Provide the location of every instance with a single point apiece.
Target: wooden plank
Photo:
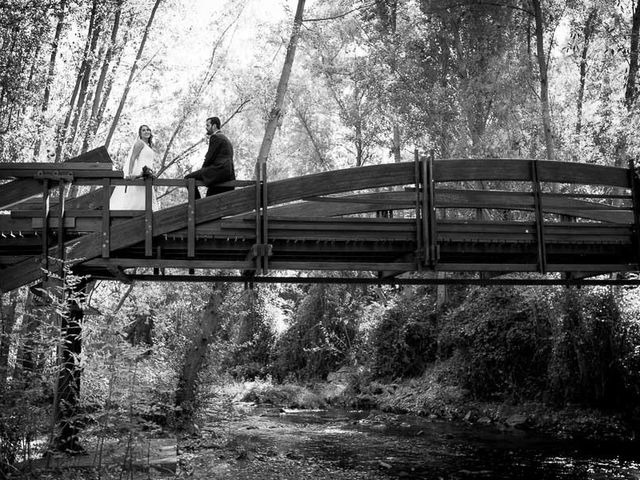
(167, 263)
(329, 265)
(97, 155)
(582, 173)
(338, 181)
(54, 222)
(450, 198)
(77, 213)
(18, 191)
(486, 267)
(184, 183)
(451, 170)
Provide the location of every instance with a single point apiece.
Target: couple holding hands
(216, 168)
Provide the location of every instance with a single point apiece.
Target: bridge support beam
(634, 172)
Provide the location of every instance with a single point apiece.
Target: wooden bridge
(457, 215)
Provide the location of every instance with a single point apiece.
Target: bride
(127, 197)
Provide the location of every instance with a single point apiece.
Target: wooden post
(635, 195)
(45, 225)
(418, 186)
(425, 213)
(542, 250)
(106, 218)
(148, 217)
(433, 227)
(257, 261)
(191, 218)
(265, 222)
(61, 202)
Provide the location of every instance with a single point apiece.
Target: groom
(218, 162)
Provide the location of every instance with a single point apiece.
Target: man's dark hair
(214, 121)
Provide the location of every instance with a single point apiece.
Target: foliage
(502, 336)
(594, 356)
(321, 338)
(286, 395)
(405, 340)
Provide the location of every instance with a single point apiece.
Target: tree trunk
(7, 321)
(50, 74)
(544, 81)
(29, 354)
(68, 387)
(62, 131)
(276, 111)
(93, 123)
(630, 93)
(388, 12)
(112, 74)
(86, 76)
(587, 32)
(195, 358)
(134, 68)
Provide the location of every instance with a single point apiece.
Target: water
(404, 446)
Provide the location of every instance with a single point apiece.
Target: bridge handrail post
(634, 173)
(265, 221)
(45, 226)
(61, 202)
(148, 216)
(537, 193)
(258, 217)
(106, 218)
(426, 237)
(419, 255)
(191, 217)
(433, 226)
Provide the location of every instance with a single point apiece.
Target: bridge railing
(457, 215)
(548, 203)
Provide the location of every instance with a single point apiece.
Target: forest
(309, 87)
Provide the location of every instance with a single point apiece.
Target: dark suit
(217, 166)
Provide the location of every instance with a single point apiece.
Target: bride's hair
(140, 134)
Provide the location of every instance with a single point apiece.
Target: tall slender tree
(544, 80)
(134, 69)
(276, 111)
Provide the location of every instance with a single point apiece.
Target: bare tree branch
(340, 15)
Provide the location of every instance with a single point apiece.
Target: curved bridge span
(453, 215)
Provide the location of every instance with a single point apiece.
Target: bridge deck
(471, 215)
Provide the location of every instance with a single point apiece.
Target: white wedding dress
(132, 197)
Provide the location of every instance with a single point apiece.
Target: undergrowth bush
(502, 337)
(404, 342)
(321, 337)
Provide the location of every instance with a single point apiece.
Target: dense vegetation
(371, 82)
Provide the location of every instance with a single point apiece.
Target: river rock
(516, 420)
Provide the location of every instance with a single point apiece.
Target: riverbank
(260, 442)
(427, 397)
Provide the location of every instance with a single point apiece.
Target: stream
(406, 446)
